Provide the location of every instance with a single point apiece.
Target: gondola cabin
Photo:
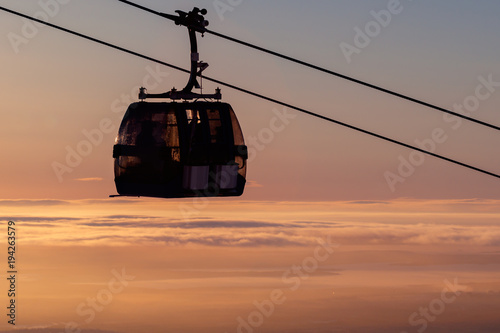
(173, 150)
(181, 149)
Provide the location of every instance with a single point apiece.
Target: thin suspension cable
(254, 94)
(93, 39)
(327, 71)
(141, 7)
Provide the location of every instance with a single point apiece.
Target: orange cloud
(253, 183)
(90, 179)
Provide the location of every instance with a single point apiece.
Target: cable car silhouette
(181, 149)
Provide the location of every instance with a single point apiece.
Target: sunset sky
(203, 264)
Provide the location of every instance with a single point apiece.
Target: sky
(337, 231)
